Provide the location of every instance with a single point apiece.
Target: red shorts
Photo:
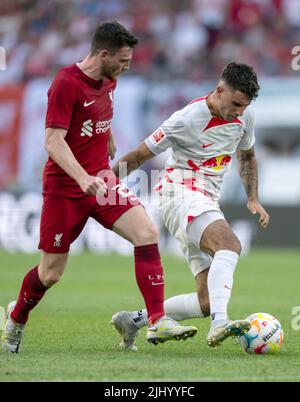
(63, 219)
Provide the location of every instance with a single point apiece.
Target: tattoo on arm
(248, 171)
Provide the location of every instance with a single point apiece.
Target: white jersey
(201, 146)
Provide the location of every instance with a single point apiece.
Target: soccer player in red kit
(78, 135)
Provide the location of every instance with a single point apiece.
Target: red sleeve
(62, 96)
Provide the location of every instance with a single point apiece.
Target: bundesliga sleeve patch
(158, 136)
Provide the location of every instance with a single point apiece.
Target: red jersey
(83, 107)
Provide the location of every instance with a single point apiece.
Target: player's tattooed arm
(132, 161)
(247, 167)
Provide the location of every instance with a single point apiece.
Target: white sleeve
(248, 139)
(166, 136)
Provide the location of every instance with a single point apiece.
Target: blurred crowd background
(183, 46)
(178, 38)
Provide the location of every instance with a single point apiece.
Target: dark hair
(112, 36)
(241, 77)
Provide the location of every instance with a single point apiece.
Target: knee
(50, 279)
(236, 246)
(232, 244)
(49, 275)
(146, 235)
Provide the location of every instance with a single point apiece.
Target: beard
(110, 72)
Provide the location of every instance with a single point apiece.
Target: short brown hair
(241, 77)
(112, 36)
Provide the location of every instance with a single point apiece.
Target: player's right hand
(93, 185)
(256, 208)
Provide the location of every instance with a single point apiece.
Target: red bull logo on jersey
(216, 163)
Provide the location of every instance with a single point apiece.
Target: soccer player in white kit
(203, 136)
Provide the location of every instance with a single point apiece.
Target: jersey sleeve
(62, 96)
(166, 136)
(248, 139)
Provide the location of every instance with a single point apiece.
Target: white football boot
(166, 329)
(217, 335)
(13, 332)
(122, 322)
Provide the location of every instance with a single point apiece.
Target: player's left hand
(256, 208)
(112, 149)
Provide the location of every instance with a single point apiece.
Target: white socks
(219, 283)
(186, 306)
(179, 308)
(183, 307)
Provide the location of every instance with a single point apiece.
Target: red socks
(31, 293)
(150, 279)
(149, 276)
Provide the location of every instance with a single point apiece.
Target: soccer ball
(265, 335)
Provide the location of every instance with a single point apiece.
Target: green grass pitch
(68, 337)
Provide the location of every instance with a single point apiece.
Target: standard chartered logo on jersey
(102, 126)
(88, 126)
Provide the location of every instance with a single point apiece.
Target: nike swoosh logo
(206, 145)
(88, 103)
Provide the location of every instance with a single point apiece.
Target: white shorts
(186, 215)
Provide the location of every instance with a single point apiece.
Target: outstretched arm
(247, 167)
(132, 160)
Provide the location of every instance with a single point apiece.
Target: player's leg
(51, 268)
(61, 222)
(35, 284)
(180, 307)
(136, 226)
(219, 241)
(184, 306)
(202, 292)
(193, 305)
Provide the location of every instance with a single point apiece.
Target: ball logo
(271, 333)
